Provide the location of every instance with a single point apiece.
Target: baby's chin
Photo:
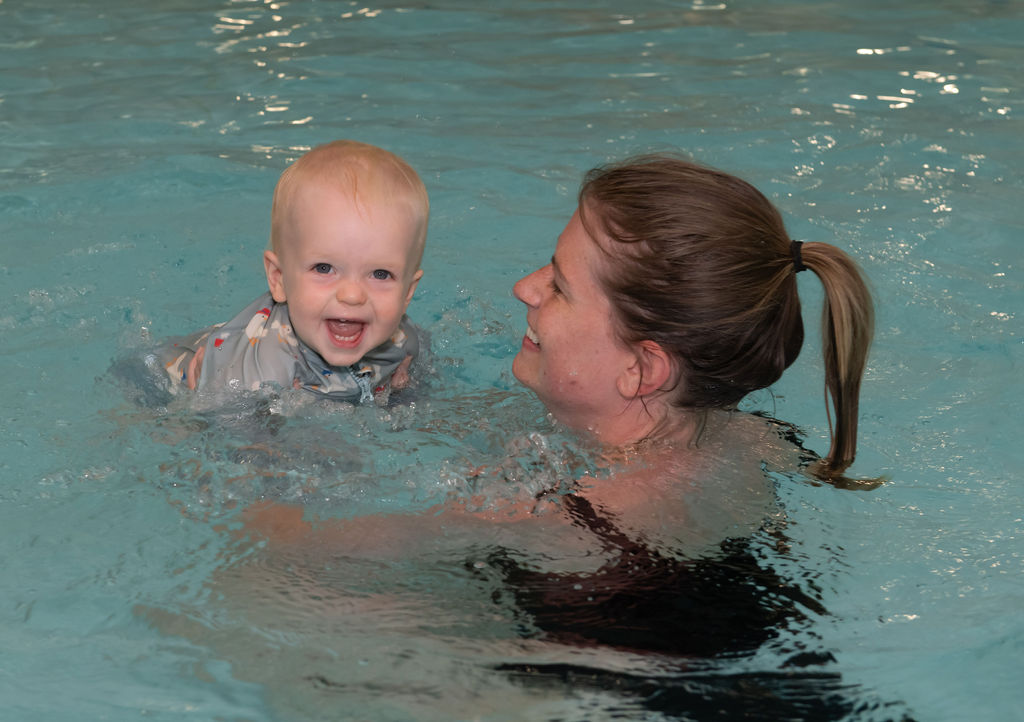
(336, 356)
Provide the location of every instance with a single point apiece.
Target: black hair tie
(798, 261)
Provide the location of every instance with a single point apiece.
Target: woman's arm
(457, 523)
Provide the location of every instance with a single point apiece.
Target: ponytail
(847, 325)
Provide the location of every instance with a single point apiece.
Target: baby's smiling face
(347, 268)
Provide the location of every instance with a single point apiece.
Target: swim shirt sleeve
(177, 355)
(254, 348)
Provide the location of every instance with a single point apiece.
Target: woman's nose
(529, 288)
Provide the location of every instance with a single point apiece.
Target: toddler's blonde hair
(366, 173)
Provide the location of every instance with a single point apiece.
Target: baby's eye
(322, 268)
(381, 275)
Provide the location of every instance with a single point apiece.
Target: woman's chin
(518, 370)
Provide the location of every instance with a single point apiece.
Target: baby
(348, 226)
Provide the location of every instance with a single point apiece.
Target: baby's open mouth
(345, 331)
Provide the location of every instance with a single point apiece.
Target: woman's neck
(643, 422)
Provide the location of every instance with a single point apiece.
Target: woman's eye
(552, 279)
(381, 275)
(322, 268)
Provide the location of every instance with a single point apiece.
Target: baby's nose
(350, 292)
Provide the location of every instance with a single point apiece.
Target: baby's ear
(652, 370)
(274, 276)
(412, 287)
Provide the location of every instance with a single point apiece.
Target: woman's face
(570, 356)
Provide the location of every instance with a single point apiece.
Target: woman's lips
(345, 333)
(532, 337)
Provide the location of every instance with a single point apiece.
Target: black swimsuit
(646, 601)
(722, 606)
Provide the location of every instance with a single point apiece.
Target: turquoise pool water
(141, 142)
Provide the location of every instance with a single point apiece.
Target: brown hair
(701, 263)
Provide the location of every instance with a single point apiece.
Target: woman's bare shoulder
(688, 499)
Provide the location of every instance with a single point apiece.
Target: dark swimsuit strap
(582, 512)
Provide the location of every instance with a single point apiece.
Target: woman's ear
(652, 370)
(272, 266)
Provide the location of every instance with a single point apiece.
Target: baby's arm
(195, 367)
(183, 358)
(400, 378)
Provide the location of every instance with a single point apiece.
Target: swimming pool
(141, 144)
